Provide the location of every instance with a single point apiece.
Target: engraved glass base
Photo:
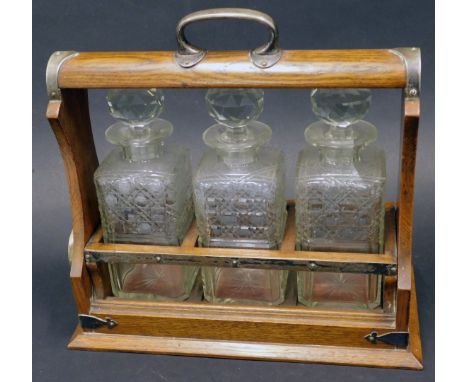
(152, 281)
(244, 286)
(339, 290)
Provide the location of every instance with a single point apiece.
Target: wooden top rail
(371, 68)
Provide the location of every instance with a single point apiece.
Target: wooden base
(387, 357)
(247, 350)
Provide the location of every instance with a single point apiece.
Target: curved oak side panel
(409, 137)
(69, 119)
(376, 68)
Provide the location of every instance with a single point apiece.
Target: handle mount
(264, 56)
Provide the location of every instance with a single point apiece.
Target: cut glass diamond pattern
(234, 107)
(341, 107)
(135, 106)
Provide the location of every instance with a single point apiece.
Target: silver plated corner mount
(56, 60)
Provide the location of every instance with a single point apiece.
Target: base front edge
(388, 358)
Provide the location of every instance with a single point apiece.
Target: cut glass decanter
(145, 194)
(340, 197)
(240, 197)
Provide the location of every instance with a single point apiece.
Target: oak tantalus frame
(194, 327)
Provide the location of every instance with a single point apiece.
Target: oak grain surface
(70, 122)
(377, 68)
(411, 112)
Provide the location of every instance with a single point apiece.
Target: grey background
(149, 25)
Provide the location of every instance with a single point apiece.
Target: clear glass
(145, 195)
(240, 197)
(340, 197)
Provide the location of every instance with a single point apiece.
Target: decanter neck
(340, 156)
(338, 145)
(233, 157)
(142, 152)
(140, 143)
(237, 146)
(238, 158)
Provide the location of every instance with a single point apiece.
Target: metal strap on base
(93, 256)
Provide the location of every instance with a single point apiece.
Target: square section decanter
(240, 197)
(145, 195)
(340, 197)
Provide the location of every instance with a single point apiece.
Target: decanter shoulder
(370, 163)
(271, 155)
(172, 160)
(269, 162)
(308, 158)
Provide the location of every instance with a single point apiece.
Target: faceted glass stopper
(236, 111)
(137, 111)
(234, 107)
(135, 106)
(340, 107)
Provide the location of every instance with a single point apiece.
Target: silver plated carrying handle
(264, 56)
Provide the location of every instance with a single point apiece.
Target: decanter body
(239, 197)
(340, 197)
(144, 193)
